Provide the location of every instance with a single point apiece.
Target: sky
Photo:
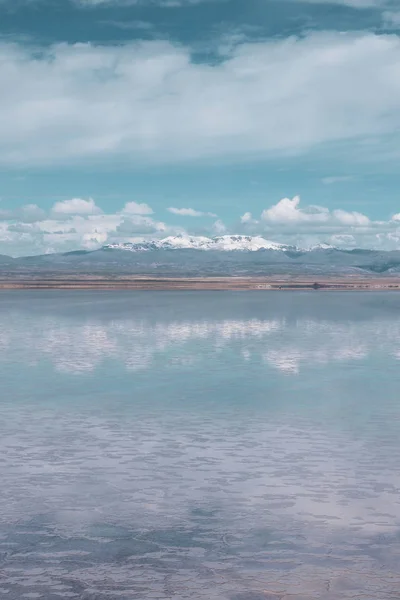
(123, 120)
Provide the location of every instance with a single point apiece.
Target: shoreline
(201, 283)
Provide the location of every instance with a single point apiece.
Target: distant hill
(200, 256)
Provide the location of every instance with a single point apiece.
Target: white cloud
(246, 218)
(138, 225)
(351, 218)
(133, 208)
(150, 102)
(336, 179)
(219, 228)
(190, 212)
(76, 206)
(396, 217)
(343, 240)
(288, 211)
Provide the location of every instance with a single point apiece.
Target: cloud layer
(149, 102)
(81, 223)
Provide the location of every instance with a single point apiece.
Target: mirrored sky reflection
(203, 445)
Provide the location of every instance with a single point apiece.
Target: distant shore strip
(201, 283)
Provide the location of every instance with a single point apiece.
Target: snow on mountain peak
(322, 247)
(244, 242)
(185, 242)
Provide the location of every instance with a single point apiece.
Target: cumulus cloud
(133, 208)
(288, 211)
(351, 218)
(76, 206)
(219, 228)
(74, 224)
(151, 102)
(247, 218)
(343, 240)
(190, 212)
(289, 222)
(138, 225)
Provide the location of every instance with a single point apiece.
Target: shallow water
(203, 445)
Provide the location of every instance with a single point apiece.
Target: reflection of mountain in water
(286, 333)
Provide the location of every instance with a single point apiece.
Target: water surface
(205, 445)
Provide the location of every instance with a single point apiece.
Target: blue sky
(129, 119)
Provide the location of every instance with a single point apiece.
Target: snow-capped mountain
(227, 243)
(194, 256)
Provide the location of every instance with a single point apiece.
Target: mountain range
(190, 256)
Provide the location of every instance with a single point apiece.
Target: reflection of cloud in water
(286, 346)
(136, 343)
(222, 484)
(290, 359)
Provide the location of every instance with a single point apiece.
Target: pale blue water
(239, 446)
